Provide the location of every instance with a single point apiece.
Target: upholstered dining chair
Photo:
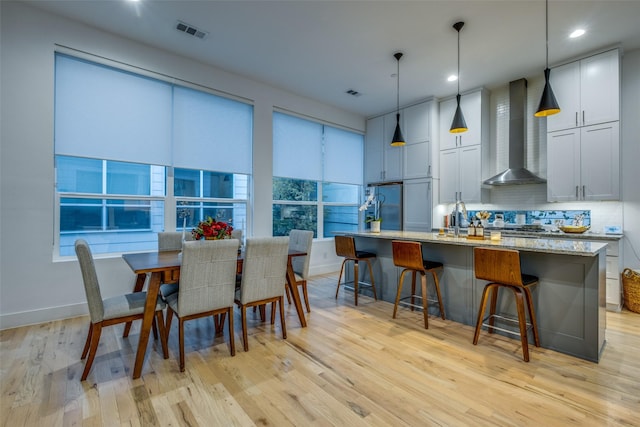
(264, 272)
(109, 311)
(207, 286)
(301, 240)
(171, 241)
(237, 234)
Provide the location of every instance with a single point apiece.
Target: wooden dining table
(164, 267)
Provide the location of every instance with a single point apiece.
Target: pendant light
(398, 139)
(548, 104)
(458, 125)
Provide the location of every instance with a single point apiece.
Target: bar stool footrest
(408, 304)
(529, 326)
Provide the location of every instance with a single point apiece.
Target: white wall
(34, 288)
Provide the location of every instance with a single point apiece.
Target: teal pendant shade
(398, 138)
(458, 125)
(548, 103)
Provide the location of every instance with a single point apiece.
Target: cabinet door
(417, 205)
(392, 156)
(471, 105)
(600, 161)
(448, 140)
(417, 162)
(416, 123)
(373, 163)
(600, 88)
(565, 82)
(563, 165)
(449, 175)
(470, 174)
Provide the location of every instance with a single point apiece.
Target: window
(135, 154)
(324, 181)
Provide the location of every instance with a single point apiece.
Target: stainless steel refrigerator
(390, 197)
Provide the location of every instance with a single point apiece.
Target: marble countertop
(562, 246)
(588, 235)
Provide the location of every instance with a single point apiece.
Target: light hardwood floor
(353, 366)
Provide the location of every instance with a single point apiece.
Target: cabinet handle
(583, 122)
(576, 119)
(577, 193)
(584, 194)
(429, 171)
(428, 186)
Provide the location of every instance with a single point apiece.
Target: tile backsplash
(542, 217)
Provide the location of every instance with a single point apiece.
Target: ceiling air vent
(191, 30)
(353, 92)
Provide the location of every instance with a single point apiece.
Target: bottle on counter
(472, 230)
(480, 230)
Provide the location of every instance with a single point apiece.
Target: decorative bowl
(574, 228)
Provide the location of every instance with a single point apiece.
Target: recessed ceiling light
(576, 33)
(452, 78)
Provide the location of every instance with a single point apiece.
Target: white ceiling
(320, 49)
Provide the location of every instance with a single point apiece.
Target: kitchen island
(569, 299)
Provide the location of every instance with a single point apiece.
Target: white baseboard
(24, 318)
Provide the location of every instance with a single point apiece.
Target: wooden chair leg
(425, 306)
(232, 341)
(399, 291)
(181, 342)
(305, 294)
(167, 325)
(282, 322)
(95, 339)
(483, 306)
(495, 288)
(413, 288)
(154, 327)
(522, 322)
(273, 313)
(373, 285)
(218, 321)
(437, 285)
(288, 292)
(87, 342)
(340, 277)
(163, 334)
(244, 328)
(532, 316)
(356, 280)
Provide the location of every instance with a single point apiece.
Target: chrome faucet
(460, 214)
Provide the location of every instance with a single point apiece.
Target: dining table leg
(293, 288)
(136, 288)
(147, 320)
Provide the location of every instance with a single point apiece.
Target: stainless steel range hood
(516, 173)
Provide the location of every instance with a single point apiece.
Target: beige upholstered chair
(237, 234)
(263, 277)
(110, 311)
(408, 256)
(171, 241)
(301, 240)
(207, 286)
(501, 267)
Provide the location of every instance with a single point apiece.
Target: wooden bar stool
(408, 255)
(501, 267)
(346, 247)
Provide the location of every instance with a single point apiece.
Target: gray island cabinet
(569, 299)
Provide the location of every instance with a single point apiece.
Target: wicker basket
(631, 289)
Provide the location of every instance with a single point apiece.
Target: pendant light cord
(459, 61)
(546, 10)
(398, 85)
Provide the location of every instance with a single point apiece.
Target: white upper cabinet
(417, 134)
(384, 163)
(471, 105)
(588, 92)
(584, 163)
(461, 155)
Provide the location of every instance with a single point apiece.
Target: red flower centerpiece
(210, 229)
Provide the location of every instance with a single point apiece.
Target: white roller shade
(343, 156)
(110, 114)
(211, 132)
(297, 148)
